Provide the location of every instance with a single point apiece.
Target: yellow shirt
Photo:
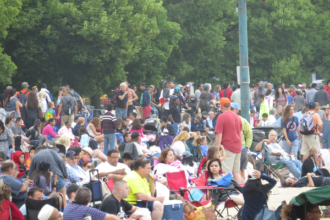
(136, 184)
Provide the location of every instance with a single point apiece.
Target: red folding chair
(177, 183)
(229, 203)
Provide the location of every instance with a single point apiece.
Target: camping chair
(177, 183)
(33, 207)
(269, 166)
(229, 203)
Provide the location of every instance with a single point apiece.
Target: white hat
(251, 175)
(45, 212)
(88, 150)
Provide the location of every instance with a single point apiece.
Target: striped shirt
(109, 123)
(77, 211)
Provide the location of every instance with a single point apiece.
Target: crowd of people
(50, 151)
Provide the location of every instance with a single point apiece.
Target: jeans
(294, 166)
(293, 149)
(109, 139)
(130, 109)
(30, 122)
(154, 110)
(121, 113)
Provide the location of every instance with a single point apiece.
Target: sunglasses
(73, 158)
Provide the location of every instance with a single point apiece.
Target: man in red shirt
(327, 87)
(229, 133)
(226, 92)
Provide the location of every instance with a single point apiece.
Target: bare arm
(152, 185)
(310, 180)
(18, 105)
(25, 186)
(144, 197)
(259, 146)
(197, 106)
(111, 217)
(218, 139)
(122, 96)
(92, 127)
(223, 154)
(171, 119)
(75, 110)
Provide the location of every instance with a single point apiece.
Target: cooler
(173, 210)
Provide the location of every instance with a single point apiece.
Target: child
(42, 176)
(264, 122)
(263, 106)
(32, 151)
(252, 117)
(119, 131)
(132, 116)
(169, 127)
(201, 141)
(18, 158)
(84, 139)
(213, 152)
(137, 127)
(214, 168)
(50, 113)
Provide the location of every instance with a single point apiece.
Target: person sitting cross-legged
(141, 189)
(115, 203)
(278, 155)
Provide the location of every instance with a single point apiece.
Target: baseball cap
(180, 86)
(25, 84)
(177, 89)
(186, 154)
(300, 86)
(135, 135)
(187, 86)
(311, 105)
(205, 113)
(292, 86)
(70, 153)
(225, 102)
(234, 105)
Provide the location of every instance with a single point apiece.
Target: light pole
(244, 59)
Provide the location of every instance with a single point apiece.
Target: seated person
(264, 122)
(31, 154)
(165, 125)
(67, 130)
(34, 132)
(178, 144)
(137, 127)
(278, 155)
(18, 158)
(89, 154)
(34, 193)
(112, 168)
(201, 142)
(8, 209)
(75, 173)
(134, 147)
(71, 192)
(18, 189)
(206, 121)
(42, 176)
(115, 203)
(127, 159)
(80, 123)
(79, 208)
(48, 212)
(127, 139)
(49, 132)
(141, 189)
(214, 152)
(17, 130)
(310, 180)
(312, 163)
(196, 126)
(233, 190)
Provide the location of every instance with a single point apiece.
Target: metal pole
(244, 59)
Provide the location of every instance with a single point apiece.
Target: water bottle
(87, 217)
(121, 214)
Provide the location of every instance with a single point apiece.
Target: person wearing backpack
(68, 106)
(24, 93)
(290, 125)
(310, 127)
(205, 99)
(226, 92)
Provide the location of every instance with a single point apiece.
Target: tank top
(90, 131)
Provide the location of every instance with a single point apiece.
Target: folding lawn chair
(33, 207)
(269, 166)
(177, 183)
(229, 203)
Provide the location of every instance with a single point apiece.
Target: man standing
(229, 133)
(145, 101)
(236, 97)
(311, 140)
(226, 92)
(311, 93)
(24, 93)
(175, 113)
(165, 94)
(199, 91)
(115, 203)
(259, 91)
(141, 189)
(131, 98)
(109, 126)
(68, 106)
(122, 101)
(322, 97)
(49, 96)
(186, 93)
(246, 139)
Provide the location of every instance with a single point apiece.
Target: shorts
(146, 111)
(232, 162)
(60, 184)
(149, 205)
(244, 159)
(309, 141)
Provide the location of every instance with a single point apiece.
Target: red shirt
(229, 92)
(327, 89)
(15, 212)
(293, 94)
(230, 126)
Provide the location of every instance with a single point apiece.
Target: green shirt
(263, 109)
(136, 184)
(247, 131)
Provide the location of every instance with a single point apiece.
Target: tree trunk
(95, 101)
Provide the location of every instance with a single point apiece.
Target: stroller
(152, 130)
(87, 113)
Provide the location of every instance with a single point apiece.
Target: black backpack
(79, 104)
(69, 108)
(225, 93)
(204, 100)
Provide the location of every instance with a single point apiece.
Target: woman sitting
(212, 153)
(89, 154)
(137, 127)
(186, 121)
(308, 211)
(42, 176)
(201, 142)
(312, 163)
(87, 165)
(8, 210)
(34, 132)
(75, 173)
(92, 127)
(233, 190)
(178, 144)
(80, 124)
(66, 130)
(255, 194)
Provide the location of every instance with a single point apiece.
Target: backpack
(204, 100)
(79, 104)
(23, 97)
(306, 125)
(68, 108)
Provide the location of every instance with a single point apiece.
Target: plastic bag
(144, 212)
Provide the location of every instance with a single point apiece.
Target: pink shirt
(138, 131)
(48, 130)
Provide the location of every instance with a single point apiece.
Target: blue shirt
(77, 211)
(290, 99)
(15, 186)
(204, 149)
(11, 105)
(291, 127)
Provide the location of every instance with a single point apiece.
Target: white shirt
(276, 148)
(46, 91)
(263, 123)
(107, 167)
(236, 97)
(178, 148)
(166, 103)
(65, 131)
(271, 119)
(43, 105)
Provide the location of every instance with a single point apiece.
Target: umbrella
(319, 195)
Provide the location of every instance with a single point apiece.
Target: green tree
(8, 11)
